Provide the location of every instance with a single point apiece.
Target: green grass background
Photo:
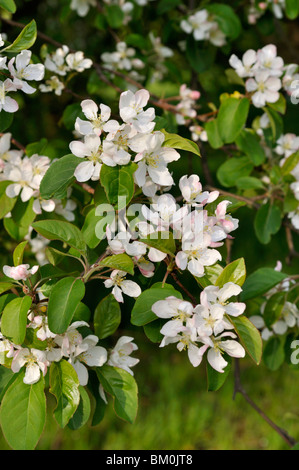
(177, 413)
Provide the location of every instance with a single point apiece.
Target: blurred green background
(177, 413)
(175, 409)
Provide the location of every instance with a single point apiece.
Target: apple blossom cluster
(203, 26)
(187, 112)
(288, 144)
(204, 327)
(59, 64)
(197, 232)
(20, 71)
(123, 59)
(257, 9)
(289, 315)
(25, 174)
(264, 71)
(159, 54)
(187, 104)
(78, 350)
(109, 142)
(81, 352)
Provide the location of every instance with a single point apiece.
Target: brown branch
(176, 279)
(86, 187)
(238, 388)
(292, 252)
(248, 201)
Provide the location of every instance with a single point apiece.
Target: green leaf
(64, 385)
(249, 182)
(4, 300)
(290, 163)
(201, 58)
(36, 147)
(5, 286)
(25, 40)
(70, 115)
(290, 203)
(22, 217)
(18, 253)
(249, 336)
(274, 354)
(122, 262)
(292, 9)
(7, 376)
(260, 282)
(60, 230)
(276, 123)
(63, 301)
(23, 413)
(162, 241)
(122, 387)
(234, 272)
(59, 177)
(232, 118)
(211, 275)
(177, 142)
(115, 16)
(89, 228)
(82, 413)
(273, 308)
(14, 319)
(280, 105)
(166, 5)
(8, 5)
(6, 120)
(56, 257)
(267, 222)
(233, 169)
(118, 183)
(214, 137)
(142, 311)
(228, 21)
(233, 77)
(107, 317)
(152, 330)
(82, 313)
(249, 143)
(216, 379)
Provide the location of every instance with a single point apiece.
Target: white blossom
(82, 6)
(122, 286)
(35, 362)
(120, 355)
(22, 71)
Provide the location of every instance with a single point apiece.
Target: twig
(292, 252)
(238, 388)
(248, 201)
(86, 187)
(176, 279)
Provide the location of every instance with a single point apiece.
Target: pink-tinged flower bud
(19, 273)
(263, 5)
(195, 95)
